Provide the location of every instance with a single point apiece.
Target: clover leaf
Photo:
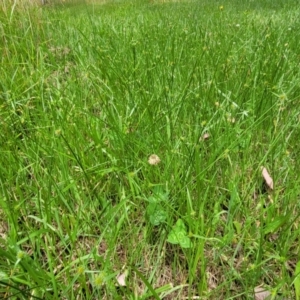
(178, 235)
(156, 214)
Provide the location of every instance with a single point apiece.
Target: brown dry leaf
(254, 195)
(212, 281)
(268, 179)
(261, 293)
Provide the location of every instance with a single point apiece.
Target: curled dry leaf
(268, 179)
(261, 293)
(121, 278)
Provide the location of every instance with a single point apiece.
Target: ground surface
(133, 140)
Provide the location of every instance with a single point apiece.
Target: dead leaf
(121, 278)
(254, 195)
(212, 281)
(268, 179)
(261, 293)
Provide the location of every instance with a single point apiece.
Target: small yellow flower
(20, 255)
(131, 174)
(221, 7)
(57, 132)
(153, 159)
(99, 279)
(282, 97)
(80, 270)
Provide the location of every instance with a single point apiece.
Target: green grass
(89, 92)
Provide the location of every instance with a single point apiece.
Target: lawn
(150, 150)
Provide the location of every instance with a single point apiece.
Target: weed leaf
(156, 214)
(273, 226)
(178, 235)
